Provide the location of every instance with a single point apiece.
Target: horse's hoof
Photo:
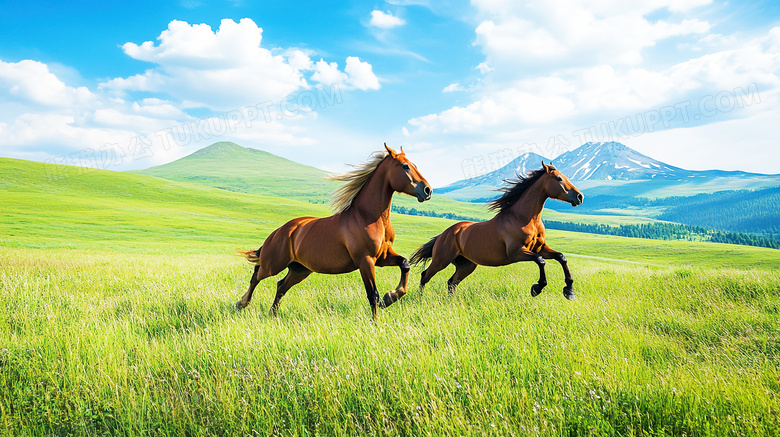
(240, 306)
(568, 293)
(535, 290)
(386, 301)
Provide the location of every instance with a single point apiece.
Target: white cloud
(361, 74)
(151, 80)
(484, 68)
(385, 20)
(328, 73)
(356, 75)
(538, 33)
(226, 68)
(510, 106)
(451, 88)
(229, 68)
(197, 46)
(747, 143)
(158, 108)
(590, 88)
(606, 92)
(32, 82)
(299, 60)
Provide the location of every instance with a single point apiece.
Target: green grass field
(118, 292)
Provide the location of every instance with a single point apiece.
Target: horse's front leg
(526, 255)
(366, 267)
(394, 259)
(568, 290)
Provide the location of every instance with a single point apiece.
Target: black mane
(515, 188)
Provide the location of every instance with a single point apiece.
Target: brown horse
(515, 234)
(358, 236)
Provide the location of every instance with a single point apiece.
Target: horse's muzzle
(576, 198)
(423, 192)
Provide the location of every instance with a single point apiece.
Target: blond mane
(341, 199)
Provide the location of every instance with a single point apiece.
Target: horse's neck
(373, 201)
(529, 207)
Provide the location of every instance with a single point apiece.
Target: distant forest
(668, 231)
(752, 211)
(656, 231)
(756, 212)
(414, 211)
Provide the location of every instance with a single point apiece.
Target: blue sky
(450, 81)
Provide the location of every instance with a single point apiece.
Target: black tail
(424, 252)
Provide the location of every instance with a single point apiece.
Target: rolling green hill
(117, 210)
(231, 167)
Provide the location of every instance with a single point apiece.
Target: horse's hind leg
(295, 274)
(435, 267)
(463, 268)
(257, 275)
(444, 252)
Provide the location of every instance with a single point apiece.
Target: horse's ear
(546, 167)
(390, 151)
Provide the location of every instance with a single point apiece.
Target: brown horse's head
(404, 177)
(559, 187)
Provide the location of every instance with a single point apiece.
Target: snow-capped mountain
(595, 165)
(613, 161)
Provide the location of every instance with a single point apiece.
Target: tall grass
(104, 342)
(117, 318)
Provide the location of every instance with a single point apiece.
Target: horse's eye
(406, 167)
(560, 179)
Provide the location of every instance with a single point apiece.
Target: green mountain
(231, 167)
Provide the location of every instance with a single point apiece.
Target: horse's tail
(253, 256)
(424, 252)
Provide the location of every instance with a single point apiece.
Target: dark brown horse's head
(559, 187)
(404, 177)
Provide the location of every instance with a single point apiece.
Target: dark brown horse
(358, 236)
(515, 234)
